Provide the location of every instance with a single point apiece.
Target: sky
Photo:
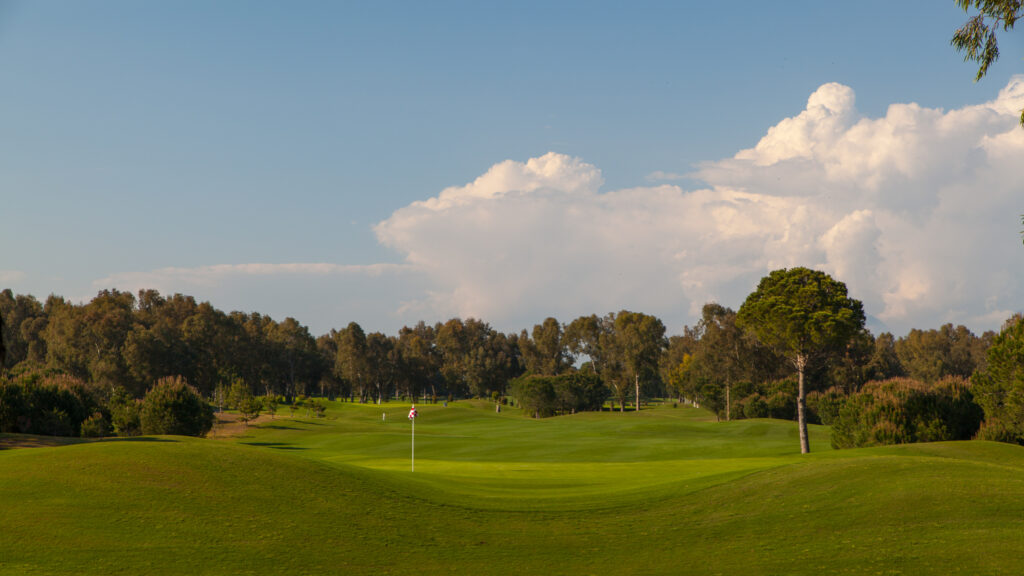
(390, 162)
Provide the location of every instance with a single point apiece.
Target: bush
(317, 407)
(754, 406)
(543, 396)
(902, 410)
(95, 426)
(173, 407)
(125, 412)
(823, 407)
(998, 431)
(53, 405)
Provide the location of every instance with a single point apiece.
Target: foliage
(250, 408)
(125, 413)
(270, 403)
(542, 396)
(545, 351)
(823, 407)
(976, 39)
(904, 410)
(172, 406)
(316, 407)
(46, 404)
(930, 355)
(999, 388)
(95, 426)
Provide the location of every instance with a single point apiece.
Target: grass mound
(666, 491)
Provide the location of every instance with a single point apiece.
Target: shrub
(998, 431)
(173, 407)
(95, 426)
(824, 406)
(125, 412)
(249, 407)
(902, 410)
(544, 396)
(53, 405)
(317, 407)
(754, 406)
(1000, 385)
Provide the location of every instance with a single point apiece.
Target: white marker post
(412, 418)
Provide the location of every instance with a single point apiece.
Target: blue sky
(270, 156)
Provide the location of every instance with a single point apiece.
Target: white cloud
(11, 276)
(915, 211)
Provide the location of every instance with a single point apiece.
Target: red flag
(413, 413)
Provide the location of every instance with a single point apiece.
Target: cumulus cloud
(917, 211)
(914, 210)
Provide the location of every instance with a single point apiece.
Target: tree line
(123, 344)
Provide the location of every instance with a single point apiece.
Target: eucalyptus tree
(350, 362)
(382, 364)
(22, 321)
(676, 364)
(420, 360)
(999, 388)
(545, 353)
(639, 342)
(805, 315)
(725, 352)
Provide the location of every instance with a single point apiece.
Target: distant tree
(999, 389)
(884, 363)
(270, 403)
(930, 355)
(725, 353)
(382, 364)
(295, 363)
(316, 407)
(420, 360)
(250, 407)
(805, 315)
(172, 406)
(536, 395)
(351, 364)
(22, 321)
(545, 352)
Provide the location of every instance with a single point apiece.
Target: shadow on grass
(279, 427)
(274, 445)
(9, 441)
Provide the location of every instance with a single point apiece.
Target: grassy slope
(664, 491)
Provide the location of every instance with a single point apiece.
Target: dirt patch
(228, 425)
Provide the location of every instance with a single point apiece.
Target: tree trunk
(728, 401)
(637, 380)
(801, 402)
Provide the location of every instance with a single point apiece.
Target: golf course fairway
(665, 491)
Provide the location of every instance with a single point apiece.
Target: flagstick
(414, 444)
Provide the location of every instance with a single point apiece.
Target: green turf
(666, 491)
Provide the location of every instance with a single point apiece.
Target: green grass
(666, 491)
